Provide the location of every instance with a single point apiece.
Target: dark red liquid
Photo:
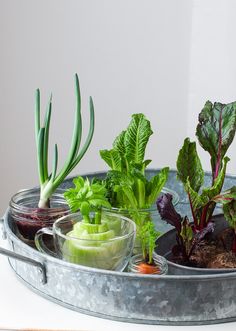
(29, 224)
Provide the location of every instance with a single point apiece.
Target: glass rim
(153, 208)
(57, 231)
(155, 257)
(159, 260)
(15, 202)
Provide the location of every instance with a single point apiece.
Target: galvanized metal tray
(169, 299)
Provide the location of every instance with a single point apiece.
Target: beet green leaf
(216, 130)
(189, 166)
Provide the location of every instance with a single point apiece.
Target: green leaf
(226, 196)
(211, 192)
(55, 162)
(156, 184)
(87, 197)
(46, 136)
(229, 210)
(112, 158)
(216, 130)
(40, 155)
(136, 173)
(146, 163)
(197, 201)
(78, 182)
(148, 236)
(99, 203)
(49, 183)
(118, 143)
(189, 166)
(136, 138)
(186, 231)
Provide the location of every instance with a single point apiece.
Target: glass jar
(28, 218)
(141, 216)
(137, 264)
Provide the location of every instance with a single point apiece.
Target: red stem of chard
(203, 221)
(234, 243)
(217, 168)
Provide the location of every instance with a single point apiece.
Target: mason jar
(29, 218)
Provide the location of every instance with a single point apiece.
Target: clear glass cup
(28, 218)
(143, 215)
(94, 250)
(138, 265)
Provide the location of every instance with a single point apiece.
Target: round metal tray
(169, 299)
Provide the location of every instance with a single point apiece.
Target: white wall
(131, 56)
(164, 58)
(213, 63)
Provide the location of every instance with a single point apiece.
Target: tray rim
(43, 258)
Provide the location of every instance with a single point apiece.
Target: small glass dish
(137, 264)
(94, 249)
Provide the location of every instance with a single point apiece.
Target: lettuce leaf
(136, 138)
(112, 158)
(127, 157)
(155, 185)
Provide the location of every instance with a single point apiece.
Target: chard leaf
(211, 192)
(186, 231)
(196, 200)
(112, 158)
(226, 197)
(156, 184)
(229, 210)
(167, 211)
(199, 236)
(202, 233)
(216, 130)
(136, 138)
(189, 166)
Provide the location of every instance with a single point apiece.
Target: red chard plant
(215, 132)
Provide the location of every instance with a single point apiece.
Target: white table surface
(21, 308)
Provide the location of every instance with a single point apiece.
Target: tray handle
(41, 267)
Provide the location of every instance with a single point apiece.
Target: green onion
(50, 182)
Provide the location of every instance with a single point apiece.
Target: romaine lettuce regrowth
(50, 181)
(127, 186)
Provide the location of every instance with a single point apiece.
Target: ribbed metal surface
(169, 299)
